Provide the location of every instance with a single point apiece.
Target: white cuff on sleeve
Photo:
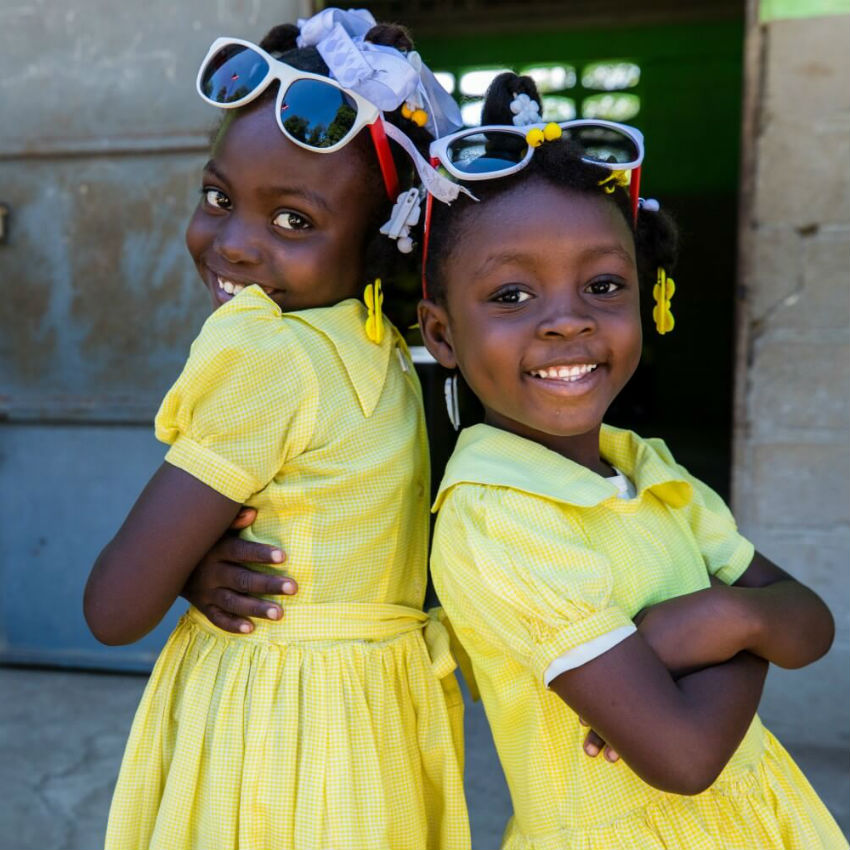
(585, 652)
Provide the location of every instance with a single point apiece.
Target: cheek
(197, 234)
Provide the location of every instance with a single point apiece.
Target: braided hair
(559, 164)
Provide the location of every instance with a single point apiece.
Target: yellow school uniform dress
(541, 567)
(339, 726)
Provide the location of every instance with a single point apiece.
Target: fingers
(593, 744)
(248, 552)
(244, 518)
(245, 581)
(236, 605)
(228, 622)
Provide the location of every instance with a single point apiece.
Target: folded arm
(765, 612)
(676, 734)
(139, 574)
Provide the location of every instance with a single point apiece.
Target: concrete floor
(62, 735)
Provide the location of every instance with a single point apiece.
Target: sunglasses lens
(232, 73)
(604, 144)
(317, 114)
(487, 153)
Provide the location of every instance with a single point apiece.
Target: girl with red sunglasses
(338, 724)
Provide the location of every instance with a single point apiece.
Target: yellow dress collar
(487, 455)
(343, 324)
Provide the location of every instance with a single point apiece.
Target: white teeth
(565, 373)
(229, 286)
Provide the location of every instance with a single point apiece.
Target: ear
(434, 327)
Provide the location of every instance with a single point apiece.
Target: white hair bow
(383, 75)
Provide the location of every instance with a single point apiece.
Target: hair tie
(405, 214)
(662, 292)
(649, 204)
(616, 178)
(374, 298)
(525, 110)
(536, 136)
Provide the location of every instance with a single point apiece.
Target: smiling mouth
(233, 288)
(566, 374)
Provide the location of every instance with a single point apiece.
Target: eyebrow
(275, 191)
(504, 258)
(526, 259)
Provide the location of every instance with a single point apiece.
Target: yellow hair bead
(419, 117)
(535, 137)
(374, 298)
(406, 111)
(662, 292)
(552, 131)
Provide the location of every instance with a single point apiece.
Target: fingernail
(288, 587)
(277, 556)
(272, 613)
(591, 749)
(612, 755)
(244, 628)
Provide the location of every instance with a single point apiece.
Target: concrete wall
(102, 139)
(792, 426)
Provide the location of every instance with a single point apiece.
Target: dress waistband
(347, 621)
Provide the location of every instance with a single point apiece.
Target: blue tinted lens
(603, 144)
(316, 113)
(234, 72)
(487, 153)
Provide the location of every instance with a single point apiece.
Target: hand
(226, 592)
(594, 744)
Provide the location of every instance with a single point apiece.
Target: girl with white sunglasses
(339, 724)
(588, 575)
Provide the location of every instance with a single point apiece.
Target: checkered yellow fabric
(534, 555)
(341, 725)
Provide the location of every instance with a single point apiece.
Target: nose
(237, 242)
(566, 316)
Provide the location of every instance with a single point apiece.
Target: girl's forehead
(252, 145)
(534, 208)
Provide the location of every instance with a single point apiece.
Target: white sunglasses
(313, 111)
(496, 150)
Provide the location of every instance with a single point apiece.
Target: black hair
(559, 164)
(381, 256)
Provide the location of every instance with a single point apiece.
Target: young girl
(556, 534)
(337, 726)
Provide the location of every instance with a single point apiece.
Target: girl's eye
(215, 198)
(291, 221)
(514, 295)
(604, 287)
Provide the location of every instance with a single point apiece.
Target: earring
(662, 292)
(452, 406)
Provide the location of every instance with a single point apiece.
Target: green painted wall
(690, 89)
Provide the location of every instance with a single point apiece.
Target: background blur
(746, 111)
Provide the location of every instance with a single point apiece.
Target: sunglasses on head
(497, 150)
(312, 111)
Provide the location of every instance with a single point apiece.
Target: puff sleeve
(244, 401)
(514, 571)
(726, 552)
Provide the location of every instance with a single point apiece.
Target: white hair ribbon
(377, 72)
(382, 74)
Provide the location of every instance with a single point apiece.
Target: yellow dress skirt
(339, 727)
